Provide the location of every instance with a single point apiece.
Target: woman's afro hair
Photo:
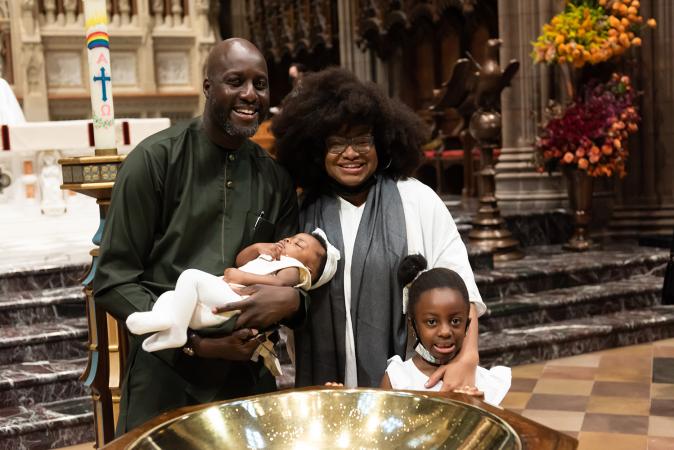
(323, 104)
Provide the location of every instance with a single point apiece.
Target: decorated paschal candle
(100, 76)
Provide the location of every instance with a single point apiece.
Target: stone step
(549, 267)
(42, 276)
(641, 291)
(63, 339)
(43, 305)
(515, 346)
(28, 383)
(47, 425)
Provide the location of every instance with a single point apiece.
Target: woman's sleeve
(443, 246)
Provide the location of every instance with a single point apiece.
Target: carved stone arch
(425, 11)
(395, 19)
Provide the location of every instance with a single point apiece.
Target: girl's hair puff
(439, 277)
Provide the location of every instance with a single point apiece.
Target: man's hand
(265, 306)
(238, 346)
(275, 249)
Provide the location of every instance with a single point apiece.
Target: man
(192, 196)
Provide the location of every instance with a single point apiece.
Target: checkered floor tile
(615, 399)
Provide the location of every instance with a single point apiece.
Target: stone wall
(158, 49)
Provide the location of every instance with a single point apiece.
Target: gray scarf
(376, 296)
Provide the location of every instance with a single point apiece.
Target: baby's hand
(274, 249)
(232, 275)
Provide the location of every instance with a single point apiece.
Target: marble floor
(618, 399)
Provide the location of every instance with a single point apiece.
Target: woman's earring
(390, 160)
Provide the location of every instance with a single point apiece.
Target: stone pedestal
(94, 176)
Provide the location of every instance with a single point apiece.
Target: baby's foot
(147, 322)
(171, 338)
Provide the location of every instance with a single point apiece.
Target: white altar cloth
(74, 134)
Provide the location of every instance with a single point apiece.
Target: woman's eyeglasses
(360, 144)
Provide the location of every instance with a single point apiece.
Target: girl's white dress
(494, 382)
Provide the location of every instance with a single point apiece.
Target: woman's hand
(265, 306)
(334, 384)
(460, 372)
(238, 346)
(457, 374)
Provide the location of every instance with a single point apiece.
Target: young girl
(304, 260)
(438, 312)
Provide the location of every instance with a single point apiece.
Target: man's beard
(235, 130)
(238, 131)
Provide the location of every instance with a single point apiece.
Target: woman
(352, 150)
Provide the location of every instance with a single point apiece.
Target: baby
(305, 260)
(438, 310)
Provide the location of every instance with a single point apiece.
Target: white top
(431, 232)
(349, 216)
(494, 382)
(266, 265)
(10, 111)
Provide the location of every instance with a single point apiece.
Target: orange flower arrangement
(591, 32)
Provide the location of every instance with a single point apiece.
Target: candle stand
(489, 231)
(94, 176)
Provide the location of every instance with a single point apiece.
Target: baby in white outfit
(305, 260)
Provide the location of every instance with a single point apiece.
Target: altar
(30, 152)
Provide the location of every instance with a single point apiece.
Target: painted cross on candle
(98, 46)
(103, 79)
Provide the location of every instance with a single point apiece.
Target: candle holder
(94, 176)
(489, 231)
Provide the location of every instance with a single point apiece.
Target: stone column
(518, 186)
(649, 180)
(29, 65)
(646, 195)
(239, 19)
(362, 63)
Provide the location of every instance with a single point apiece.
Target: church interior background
(586, 332)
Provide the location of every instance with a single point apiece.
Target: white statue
(50, 184)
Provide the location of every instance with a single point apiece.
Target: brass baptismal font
(323, 418)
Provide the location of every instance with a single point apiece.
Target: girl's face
(440, 316)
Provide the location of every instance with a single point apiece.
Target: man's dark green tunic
(182, 202)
